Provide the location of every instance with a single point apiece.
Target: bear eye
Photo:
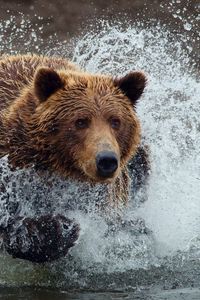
(82, 123)
(115, 123)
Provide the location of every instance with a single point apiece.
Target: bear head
(82, 126)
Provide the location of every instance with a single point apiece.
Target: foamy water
(169, 112)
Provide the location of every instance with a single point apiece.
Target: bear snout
(106, 163)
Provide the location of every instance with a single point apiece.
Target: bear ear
(132, 85)
(46, 82)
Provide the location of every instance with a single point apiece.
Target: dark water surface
(40, 294)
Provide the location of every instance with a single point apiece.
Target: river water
(164, 264)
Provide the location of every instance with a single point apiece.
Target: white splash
(169, 112)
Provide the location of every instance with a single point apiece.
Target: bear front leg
(41, 239)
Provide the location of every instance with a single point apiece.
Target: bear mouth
(106, 177)
(97, 179)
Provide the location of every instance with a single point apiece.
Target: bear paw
(41, 239)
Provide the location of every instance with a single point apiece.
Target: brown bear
(55, 117)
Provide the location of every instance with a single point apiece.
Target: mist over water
(169, 112)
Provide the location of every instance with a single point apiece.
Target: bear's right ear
(46, 82)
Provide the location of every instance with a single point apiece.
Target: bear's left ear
(132, 85)
(46, 82)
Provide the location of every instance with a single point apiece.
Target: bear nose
(107, 163)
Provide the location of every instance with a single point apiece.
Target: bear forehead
(90, 83)
(93, 100)
(95, 89)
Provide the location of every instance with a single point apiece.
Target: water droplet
(187, 26)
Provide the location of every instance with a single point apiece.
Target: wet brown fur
(37, 119)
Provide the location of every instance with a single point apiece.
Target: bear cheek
(128, 140)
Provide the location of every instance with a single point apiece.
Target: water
(43, 294)
(126, 264)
